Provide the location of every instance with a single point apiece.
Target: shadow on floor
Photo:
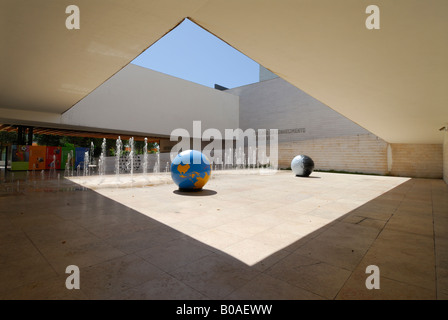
(123, 254)
(201, 193)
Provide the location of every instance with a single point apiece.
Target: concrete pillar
(6, 158)
(30, 136)
(445, 155)
(20, 135)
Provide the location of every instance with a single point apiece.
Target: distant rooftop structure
(219, 87)
(265, 74)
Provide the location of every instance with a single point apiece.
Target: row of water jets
(89, 161)
(231, 160)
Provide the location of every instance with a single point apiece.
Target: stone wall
(334, 142)
(369, 154)
(417, 160)
(360, 153)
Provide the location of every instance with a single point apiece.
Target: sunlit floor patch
(251, 217)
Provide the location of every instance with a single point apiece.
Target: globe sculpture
(302, 165)
(190, 170)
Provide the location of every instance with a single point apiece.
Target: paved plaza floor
(245, 236)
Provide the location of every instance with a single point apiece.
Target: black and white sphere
(302, 165)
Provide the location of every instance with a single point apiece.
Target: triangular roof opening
(192, 53)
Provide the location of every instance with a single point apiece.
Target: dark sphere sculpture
(302, 165)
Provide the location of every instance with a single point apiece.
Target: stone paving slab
(245, 236)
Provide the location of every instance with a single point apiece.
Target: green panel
(65, 152)
(19, 165)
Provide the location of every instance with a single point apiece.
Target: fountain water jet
(92, 149)
(86, 163)
(102, 160)
(130, 162)
(157, 164)
(145, 157)
(119, 146)
(68, 164)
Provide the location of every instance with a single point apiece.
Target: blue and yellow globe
(190, 170)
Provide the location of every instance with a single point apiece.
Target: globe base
(302, 176)
(189, 190)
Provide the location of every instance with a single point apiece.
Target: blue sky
(191, 53)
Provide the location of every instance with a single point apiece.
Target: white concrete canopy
(392, 81)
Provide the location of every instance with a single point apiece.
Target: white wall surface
(265, 74)
(276, 104)
(141, 100)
